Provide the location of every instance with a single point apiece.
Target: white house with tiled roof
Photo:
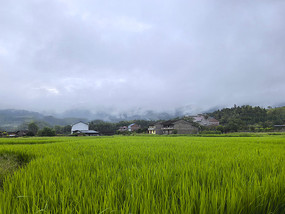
(82, 128)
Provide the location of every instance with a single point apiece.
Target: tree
(46, 131)
(58, 129)
(220, 128)
(67, 129)
(33, 128)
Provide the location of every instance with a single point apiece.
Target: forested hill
(245, 117)
(11, 120)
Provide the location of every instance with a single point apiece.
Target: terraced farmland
(145, 174)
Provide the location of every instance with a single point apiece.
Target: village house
(86, 133)
(20, 133)
(155, 128)
(204, 120)
(133, 127)
(152, 129)
(123, 129)
(12, 134)
(279, 127)
(82, 129)
(173, 127)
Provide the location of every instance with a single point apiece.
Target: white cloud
(3, 51)
(122, 23)
(130, 24)
(149, 54)
(42, 91)
(52, 90)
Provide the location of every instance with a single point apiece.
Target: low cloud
(58, 55)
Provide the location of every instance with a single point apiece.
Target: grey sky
(57, 55)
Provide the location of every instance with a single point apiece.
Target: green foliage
(46, 131)
(123, 133)
(58, 129)
(242, 115)
(30, 134)
(276, 115)
(210, 132)
(33, 128)
(109, 128)
(105, 128)
(67, 129)
(248, 118)
(220, 128)
(135, 174)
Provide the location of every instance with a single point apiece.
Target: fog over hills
(12, 119)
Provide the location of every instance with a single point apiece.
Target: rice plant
(145, 174)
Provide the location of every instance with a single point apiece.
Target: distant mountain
(11, 119)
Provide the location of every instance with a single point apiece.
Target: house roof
(132, 125)
(169, 122)
(88, 131)
(155, 123)
(22, 131)
(80, 122)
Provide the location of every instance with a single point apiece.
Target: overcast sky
(57, 55)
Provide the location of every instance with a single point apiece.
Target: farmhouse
(133, 127)
(279, 127)
(173, 127)
(123, 129)
(20, 133)
(82, 128)
(155, 128)
(86, 133)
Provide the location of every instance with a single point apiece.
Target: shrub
(211, 132)
(46, 131)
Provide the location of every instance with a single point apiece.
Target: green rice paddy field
(143, 174)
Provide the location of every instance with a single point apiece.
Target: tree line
(33, 130)
(249, 118)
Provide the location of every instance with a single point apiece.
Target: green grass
(146, 174)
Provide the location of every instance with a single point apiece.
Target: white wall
(79, 126)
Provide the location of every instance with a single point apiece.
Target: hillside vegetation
(249, 118)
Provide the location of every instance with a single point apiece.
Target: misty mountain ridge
(12, 119)
(133, 114)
